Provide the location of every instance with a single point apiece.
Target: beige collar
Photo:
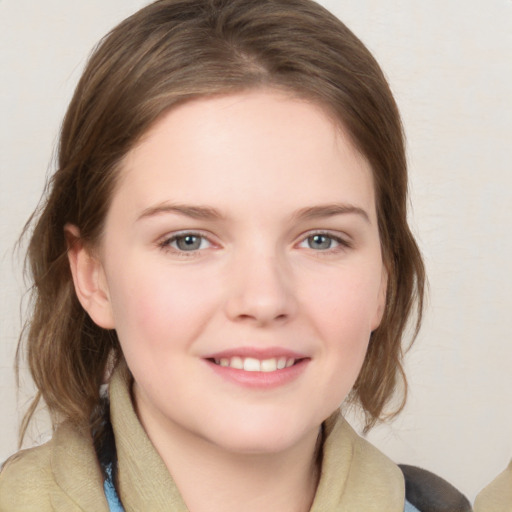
(79, 484)
(497, 496)
(144, 481)
(355, 476)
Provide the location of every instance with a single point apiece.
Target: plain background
(450, 66)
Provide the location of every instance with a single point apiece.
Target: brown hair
(171, 51)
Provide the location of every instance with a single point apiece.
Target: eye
(323, 242)
(320, 242)
(187, 242)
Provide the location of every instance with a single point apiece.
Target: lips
(252, 364)
(258, 368)
(256, 359)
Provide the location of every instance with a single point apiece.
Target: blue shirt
(114, 504)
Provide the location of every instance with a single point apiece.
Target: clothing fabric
(64, 475)
(116, 506)
(409, 507)
(497, 496)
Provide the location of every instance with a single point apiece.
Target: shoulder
(497, 496)
(429, 492)
(61, 475)
(26, 479)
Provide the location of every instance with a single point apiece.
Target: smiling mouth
(251, 364)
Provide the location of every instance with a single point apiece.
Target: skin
(255, 279)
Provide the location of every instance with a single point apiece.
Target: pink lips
(258, 368)
(257, 353)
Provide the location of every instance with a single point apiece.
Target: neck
(208, 475)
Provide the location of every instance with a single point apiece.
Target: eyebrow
(330, 210)
(208, 213)
(194, 212)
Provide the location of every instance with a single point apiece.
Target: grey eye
(188, 242)
(320, 242)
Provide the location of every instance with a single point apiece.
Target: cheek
(158, 308)
(343, 311)
(345, 301)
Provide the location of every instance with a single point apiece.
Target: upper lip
(256, 353)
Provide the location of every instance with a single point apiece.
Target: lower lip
(260, 380)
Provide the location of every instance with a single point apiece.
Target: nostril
(259, 303)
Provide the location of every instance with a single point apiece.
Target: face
(241, 268)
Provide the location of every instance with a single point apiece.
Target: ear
(89, 279)
(381, 299)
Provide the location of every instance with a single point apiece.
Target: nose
(261, 290)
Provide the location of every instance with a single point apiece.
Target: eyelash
(343, 243)
(166, 243)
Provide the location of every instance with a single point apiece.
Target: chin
(257, 437)
(261, 445)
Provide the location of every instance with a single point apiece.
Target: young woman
(225, 244)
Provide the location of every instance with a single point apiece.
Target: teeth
(250, 364)
(269, 365)
(237, 362)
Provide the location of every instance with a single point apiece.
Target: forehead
(251, 144)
